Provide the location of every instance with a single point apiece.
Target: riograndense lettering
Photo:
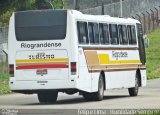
(119, 54)
(40, 45)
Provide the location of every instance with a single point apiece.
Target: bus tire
(42, 98)
(47, 97)
(52, 97)
(87, 96)
(134, 91)
(98, 96)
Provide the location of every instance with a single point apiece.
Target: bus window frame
(105, 41)
(94, 38)
(117, 42)
(86, 32)
(121, 41)
(130, 38)
(89, 43)
(134, 40)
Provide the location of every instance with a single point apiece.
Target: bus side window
(90, 33)
(93, 33)
(113, 33)
(133, 35)
(96, 33)
(122, 33)
(82, 33)
(104, 33)
(129, 34)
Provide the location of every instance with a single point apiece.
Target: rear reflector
(73, 68)
(11, 70)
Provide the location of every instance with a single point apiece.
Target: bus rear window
(40, 25)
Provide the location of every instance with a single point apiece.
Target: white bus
(53, 51)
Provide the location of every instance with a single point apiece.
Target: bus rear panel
(40, 50)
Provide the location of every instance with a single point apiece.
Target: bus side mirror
(146, 41)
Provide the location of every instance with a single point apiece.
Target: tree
(9, 6)
(24, 4)
(57, 4)
(42, 4)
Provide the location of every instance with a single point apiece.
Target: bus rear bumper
(33, 86)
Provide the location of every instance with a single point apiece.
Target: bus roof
(102, 18)
(88, 17)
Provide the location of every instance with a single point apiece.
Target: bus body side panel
(143, 78)
(95, 79)
(120, 79)
(11, 46)
(120, 66)
(84, 81)
(11, 41)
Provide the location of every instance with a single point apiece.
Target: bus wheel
(88, 96)
(47, 97)
(42, 97)
(98, 96)
(52, 97)
(134, 91)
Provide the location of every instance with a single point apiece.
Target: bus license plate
(41, 71)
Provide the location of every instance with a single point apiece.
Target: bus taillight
(11, 70)
(73, 68)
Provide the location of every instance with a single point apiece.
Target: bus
(52, 51)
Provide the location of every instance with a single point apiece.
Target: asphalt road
(148, 98)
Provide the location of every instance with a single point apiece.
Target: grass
(4, 86)
(149, 112)
(153, 55)
(4, 78)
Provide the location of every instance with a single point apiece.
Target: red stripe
(42, 66)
